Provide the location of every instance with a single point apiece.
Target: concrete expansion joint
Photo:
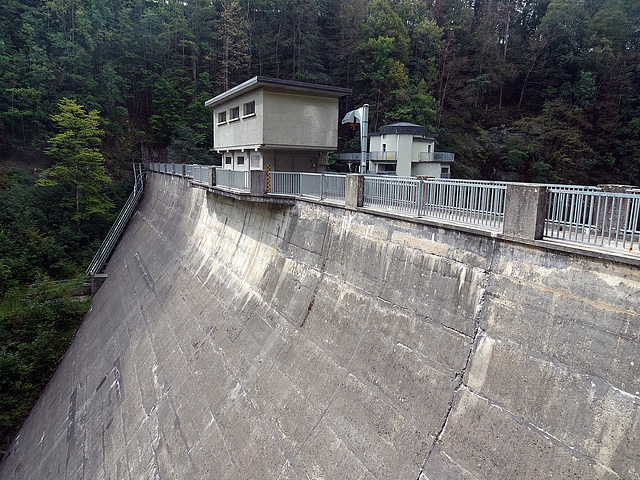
(540, 431)
(566, 367)
(458, 332)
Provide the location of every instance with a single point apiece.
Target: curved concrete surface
(237, 340)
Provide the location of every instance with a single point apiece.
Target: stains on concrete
(241, 340)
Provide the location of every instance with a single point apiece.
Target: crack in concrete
(323, 265)
(484, 285)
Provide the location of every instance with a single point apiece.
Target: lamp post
(360, 115)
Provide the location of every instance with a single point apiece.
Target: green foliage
(79, 167)
(38, 236)
(166, 102)
(149, 67)
(415, 104)
(34, 337)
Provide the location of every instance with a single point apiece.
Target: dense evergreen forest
(542, 90)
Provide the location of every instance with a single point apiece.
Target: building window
(222, 117)
(256, 161)
(240, 160)
(227, 160)
(249, 109)
(234, 113)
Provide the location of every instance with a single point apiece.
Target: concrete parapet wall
(250, 340)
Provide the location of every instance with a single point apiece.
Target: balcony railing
(386, 156)
(391, 156)
(444, 157)
(441, 157)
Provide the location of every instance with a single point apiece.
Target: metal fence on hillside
(109, 243)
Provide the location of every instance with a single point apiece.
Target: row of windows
(255, 160)
(239, 160)
(248, 109)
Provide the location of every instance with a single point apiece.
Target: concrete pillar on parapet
(525, 211)
(258, 182)
(97, 279)
(354, 191)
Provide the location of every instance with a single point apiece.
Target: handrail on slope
(109, 243)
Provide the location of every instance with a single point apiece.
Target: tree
(233, 31)
(79, 166)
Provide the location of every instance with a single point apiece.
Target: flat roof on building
(277, 84)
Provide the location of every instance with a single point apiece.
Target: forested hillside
(529, 89)
(524, 89)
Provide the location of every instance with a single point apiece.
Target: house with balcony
(280, 125)
(406, 149)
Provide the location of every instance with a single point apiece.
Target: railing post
(525, 211)
(423, 194)
(212, 176)
(354, 191)
(258, 182)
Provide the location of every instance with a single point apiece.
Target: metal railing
(52, 289)
(350, 157)
(180, 169)
(237, 179)
(594, 217)
(444, 157)
(393, 193)
(380, 156)
(576, 213)
(201, 173)
(384, 156)
(463, 202)
(317, 185)
(425, 156)
(109, 243)
(391, 156)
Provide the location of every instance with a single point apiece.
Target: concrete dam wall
(243, 340)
